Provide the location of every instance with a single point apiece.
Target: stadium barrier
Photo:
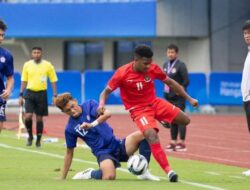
(216, 89)
(99, 79)
(224, 89)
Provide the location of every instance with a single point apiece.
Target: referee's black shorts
(36, 102)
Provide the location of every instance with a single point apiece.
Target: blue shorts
(120, 155)
(2, 111)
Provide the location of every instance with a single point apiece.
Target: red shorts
(145, 116)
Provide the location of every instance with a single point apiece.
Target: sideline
(94, 163)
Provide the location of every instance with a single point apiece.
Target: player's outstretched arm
(179, 90)
(67, 162)
(102, 100)
(104, 117)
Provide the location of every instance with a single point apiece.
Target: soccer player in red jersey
(136, 83)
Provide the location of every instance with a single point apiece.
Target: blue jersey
(100, 138)
(6, 66)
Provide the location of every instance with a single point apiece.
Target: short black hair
(143, 51)
(173, 46)
(37, 48)
(3, 26)
(246, 25)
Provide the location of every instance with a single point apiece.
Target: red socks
(160, 156)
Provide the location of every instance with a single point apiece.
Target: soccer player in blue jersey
(6, 70)
(84, 123)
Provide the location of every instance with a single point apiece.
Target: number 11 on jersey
(139, 85)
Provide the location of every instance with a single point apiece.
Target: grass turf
(23, 168)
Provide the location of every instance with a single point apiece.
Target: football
(137, 164)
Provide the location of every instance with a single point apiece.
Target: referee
(34, 79)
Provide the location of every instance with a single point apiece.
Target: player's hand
(85, 125)
(194, 102)
(20, 101)
(5, 95)
(101, 110)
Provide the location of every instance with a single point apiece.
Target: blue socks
(144, 149)
(96, 174)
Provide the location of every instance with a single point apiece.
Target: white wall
(194, 52)
(52, 51)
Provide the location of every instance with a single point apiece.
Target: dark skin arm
(102, 100)
(179, 90)
(103, 117)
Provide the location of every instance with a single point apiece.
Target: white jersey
(245, 83)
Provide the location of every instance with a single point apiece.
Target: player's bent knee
(182, 119)
(187, 121)
(151, 136)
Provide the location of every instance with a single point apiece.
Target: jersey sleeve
(115, 80)
(52, 73)
(9, 66)
(71, 139)
(184, 75)
(159, 73)
(24, 77)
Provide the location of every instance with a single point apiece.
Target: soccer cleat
(170, 147)
(180, 147)
(38, 144)
(86, 174)
(148, 176)
(172, 176)
(246, 173)
(29, 142)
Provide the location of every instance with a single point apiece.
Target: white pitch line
(212, 173)
(202, 185)
(236, 177)
(216, 159)
(94, 163)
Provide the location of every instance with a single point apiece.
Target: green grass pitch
(29, 168)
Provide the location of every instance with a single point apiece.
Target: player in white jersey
(245, 83)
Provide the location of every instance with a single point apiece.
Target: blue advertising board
(17, 84)
(224, 89)
(198, 87)
(68, 81)
(96, 81)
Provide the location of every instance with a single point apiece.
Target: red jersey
(137, 89)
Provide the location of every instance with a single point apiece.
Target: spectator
(176, 70)
(245, 83)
